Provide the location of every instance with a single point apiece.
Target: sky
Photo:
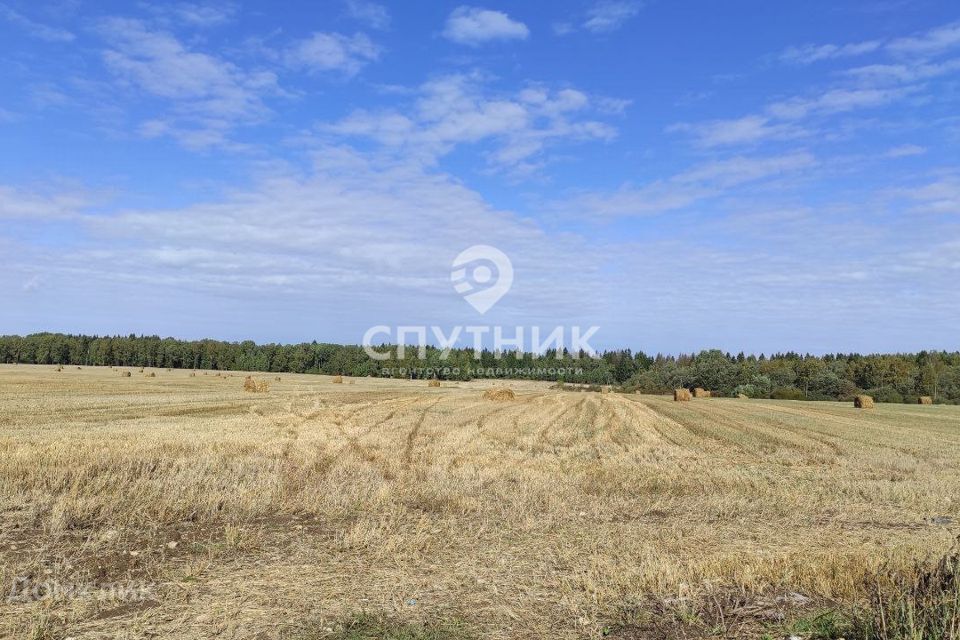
(744, 175)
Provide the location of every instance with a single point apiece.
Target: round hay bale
(433, 383)
(681, 395)
(337, 380)
(500, 394)
(925, 400)
(701, 393)
(863, 402)
(743, 396)
(255, 386)
(126, 374)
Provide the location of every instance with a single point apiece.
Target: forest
(791, 376)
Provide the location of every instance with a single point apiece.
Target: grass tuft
(366, 626)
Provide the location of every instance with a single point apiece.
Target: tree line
(886, 377)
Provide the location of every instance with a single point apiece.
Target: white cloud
(837, 101)
(940, 196)
(30, 205)
(33, 28)
(461, 109)
(360, 240)
(333, 52)
(881, 74)
(208, 96)
(747, 130)
(610, 16)
(905, 150)
(708, 180)
(929, 43)
(353, 226)
(810, 53)
(932, 42)
(202, 14)
(32, 283)
(372, 14)
(865, 87)
(473, 26)
(45, 94)
(780, 119)
(739, 170)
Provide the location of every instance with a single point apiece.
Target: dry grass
(551, 516)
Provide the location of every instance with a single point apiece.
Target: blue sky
(745, 175)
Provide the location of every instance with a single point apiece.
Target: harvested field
(551, 515)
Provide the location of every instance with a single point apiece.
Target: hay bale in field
(151, 375)
(605, 390)
(337, 380)
(126, 374)
(863, 402)
(925, 400)
(277, 379)
(499, 394)
(743, 396)
(255, 386)
(433, 383)
(701, 393)
(193, 374)
(681, 395)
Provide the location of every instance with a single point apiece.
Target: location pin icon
(482, 274)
